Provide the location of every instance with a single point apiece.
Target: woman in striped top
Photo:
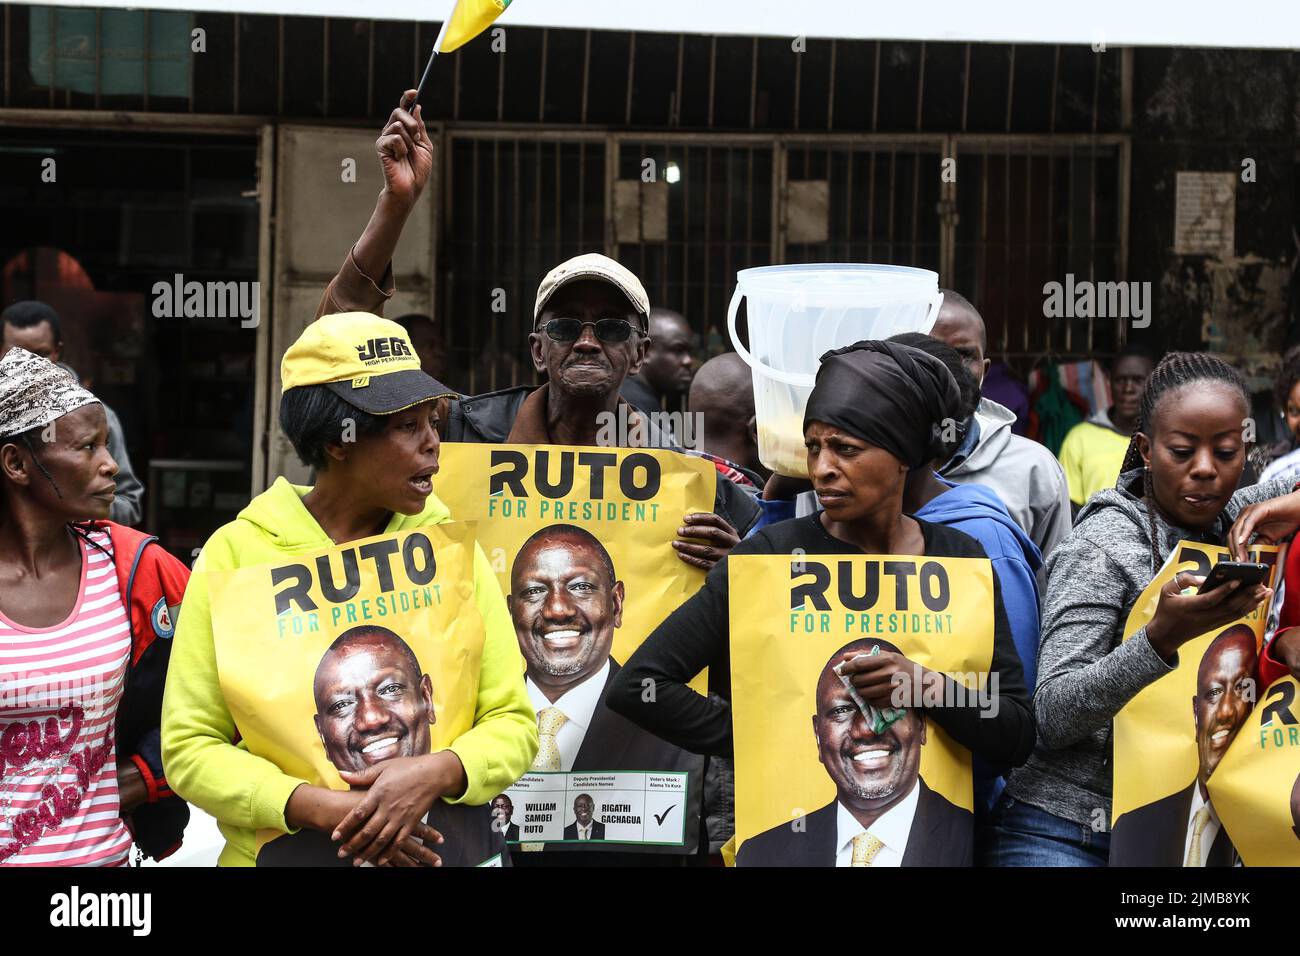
(65, 629)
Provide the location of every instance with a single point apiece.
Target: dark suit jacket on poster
(468, 835)
(613, 742)
(942, 835)
(597, 830)
(512, 833)
(1156, 835)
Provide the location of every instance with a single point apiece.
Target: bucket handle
(932, 316)
(796, 378)
(789, 378)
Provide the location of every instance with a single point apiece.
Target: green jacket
(245, 792)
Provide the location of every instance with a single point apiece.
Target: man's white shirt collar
(891, 828)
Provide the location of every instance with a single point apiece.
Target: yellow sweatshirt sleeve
(203, 763)
(501, 745)
(1072, 465)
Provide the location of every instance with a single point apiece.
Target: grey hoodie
(1021, 472)
(1085, 673)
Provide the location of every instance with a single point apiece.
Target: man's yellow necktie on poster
(549, 722)
(865, 848)
(548, 759)
(1199, 823)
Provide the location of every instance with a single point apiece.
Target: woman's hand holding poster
(822, 777)
(581, 540)
(341, 659)
(1175, 741)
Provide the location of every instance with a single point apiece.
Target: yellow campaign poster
(1169, 740)
(580, 539)
(1256, 788)
(342, 658)
(822, 778)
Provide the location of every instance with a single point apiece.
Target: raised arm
(365, 280)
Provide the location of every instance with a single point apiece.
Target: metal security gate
(997, 216)
(1031, 211)
(706, 211)
(514, 206)
(852, 199)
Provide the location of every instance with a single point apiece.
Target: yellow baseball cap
(365, 360)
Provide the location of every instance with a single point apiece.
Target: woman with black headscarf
(877, 412)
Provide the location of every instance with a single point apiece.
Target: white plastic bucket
(796, 314)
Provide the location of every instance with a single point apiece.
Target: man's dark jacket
(1156, 835)
(941, 835)
(613, 743)
(470, 839)
(597, 830)
(488, 418)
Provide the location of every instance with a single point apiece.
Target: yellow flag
(468, 19)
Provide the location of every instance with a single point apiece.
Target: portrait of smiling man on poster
(375, 703)
(566, 602)
(372, 701)
(883, 814)
(1183, 829)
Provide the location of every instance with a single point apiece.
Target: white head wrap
(34, 392)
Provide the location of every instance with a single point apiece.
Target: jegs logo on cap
(376, 351)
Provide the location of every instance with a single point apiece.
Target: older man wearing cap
(590, 331)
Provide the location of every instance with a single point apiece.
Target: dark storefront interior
(125, 212)
(1067, 162)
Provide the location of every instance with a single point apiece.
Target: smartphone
(1249, 573)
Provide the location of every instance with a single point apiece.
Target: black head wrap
(889, 395)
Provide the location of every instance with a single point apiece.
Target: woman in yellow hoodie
(363, 416)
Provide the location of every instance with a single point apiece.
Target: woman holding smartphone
(1179, 482)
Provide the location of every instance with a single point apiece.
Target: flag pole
(428, 67)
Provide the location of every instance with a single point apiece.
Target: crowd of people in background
(908, 455)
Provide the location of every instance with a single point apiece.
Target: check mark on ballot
(660, 817)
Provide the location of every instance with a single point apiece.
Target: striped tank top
(59, 691)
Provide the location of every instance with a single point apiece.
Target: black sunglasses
(607, 330)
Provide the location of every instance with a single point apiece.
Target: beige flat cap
(593, 265)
